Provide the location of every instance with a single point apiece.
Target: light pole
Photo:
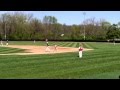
(5, 30)
(84, 13)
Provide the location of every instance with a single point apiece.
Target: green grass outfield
(101, 63)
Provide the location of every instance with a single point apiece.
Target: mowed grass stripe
(47, 58)
(98, 63)
(61, 43)
(62, 74)
(74, 45)
(66, 60)
(77, 45)
(86, 45)
(105, 75)
(6, 49)
(38, 43)
(67, 68)
(102, 56)
(47, 74)
(65, 44)
(10, 50)
(92, 46)
(68, 44)
(64, 64)
(21, 43)
(75, 73)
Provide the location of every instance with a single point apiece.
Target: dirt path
(41, 49)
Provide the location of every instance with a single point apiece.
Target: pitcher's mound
(42, 49)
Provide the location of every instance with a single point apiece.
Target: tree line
(20, 26)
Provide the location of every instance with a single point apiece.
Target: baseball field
(28, 60)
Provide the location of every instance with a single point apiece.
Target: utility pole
(84, 13)
(5, 30)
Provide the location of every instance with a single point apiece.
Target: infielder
(7, 43)
(34, 41)
(1, 43)
(47, 48)
(55, 48)
(80, 51)
(46, 40)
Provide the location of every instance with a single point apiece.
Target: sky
(75, 17)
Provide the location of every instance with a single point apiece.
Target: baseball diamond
(59, 45)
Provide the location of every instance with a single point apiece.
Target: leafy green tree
(113, 32)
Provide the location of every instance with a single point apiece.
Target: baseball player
(114, 42)
(47, 48)
(80, 51)
(1, 43)
(7, 43)
(34, 41)
(46, 40)
(55, 49)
